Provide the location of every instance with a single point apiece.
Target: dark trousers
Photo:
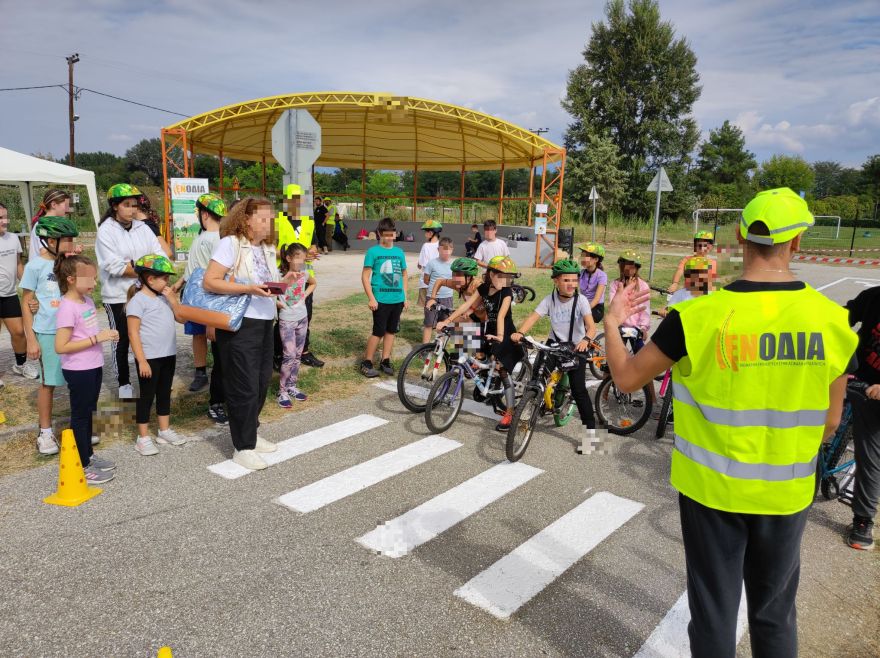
(158, 386)
(866, 437)
(319, 237)
(723, 550)
(119, 350)
(217, 393)
(85, 386)
(247, 369)
(578, 383)
(309, 331)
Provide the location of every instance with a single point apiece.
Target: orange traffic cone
(72, 487)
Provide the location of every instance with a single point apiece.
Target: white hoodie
(116, 248)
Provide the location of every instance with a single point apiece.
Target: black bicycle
(835, 472)
(623, 413)
(522, 293)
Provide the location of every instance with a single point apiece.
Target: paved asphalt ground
(588, 549)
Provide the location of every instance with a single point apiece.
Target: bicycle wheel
(622, 413)
(528, 292)
(416, 376)
(563, 404)
(521, 375)
(664, 413)
(444, 401)
(523, 424)
(598, 359)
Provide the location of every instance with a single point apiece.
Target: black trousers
(866, 437)
(157, 386)
(247, 369)
(119, 351)
(318, 237)
(578, 383)
(723, 550)
(309, 330)
(217, 395)
(85, 386)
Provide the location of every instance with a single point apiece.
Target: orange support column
(551, 194)
(173, 138)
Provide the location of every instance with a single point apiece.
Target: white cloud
(783, 134)
(120, 137)
(865, 113)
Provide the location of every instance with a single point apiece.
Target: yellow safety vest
(287, 234)
(751, 397)
(331, 215)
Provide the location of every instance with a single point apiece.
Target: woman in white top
(121, 241)
(246, 251)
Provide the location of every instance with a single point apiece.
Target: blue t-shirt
(437, 269)
(40, 278)
(389, 268)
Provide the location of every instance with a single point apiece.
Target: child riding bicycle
(703, 241)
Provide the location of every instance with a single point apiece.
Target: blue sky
(798, 77)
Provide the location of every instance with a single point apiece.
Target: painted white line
(357, 478)
(670, 638)
(833, 283)
(299, 445)
(400, 536)
(517, 577)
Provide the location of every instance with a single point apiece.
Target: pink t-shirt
(83, 319)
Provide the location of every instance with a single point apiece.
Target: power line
(100, 93)
(36, 87)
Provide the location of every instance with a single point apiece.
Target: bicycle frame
(465, 363)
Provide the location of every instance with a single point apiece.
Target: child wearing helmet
(696, 283)
(497, 299)
(464, 281)
(55, 203)
(437, 268)
(703, 241)
(121, 241)
(210, 210)
(55, 236)
(592, 280)
(428, 252)
(571, 321)
(152, 311)
(629, 263)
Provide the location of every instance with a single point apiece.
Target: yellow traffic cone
(164, 652)
(2, 417)
(72, 487)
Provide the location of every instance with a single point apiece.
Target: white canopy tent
(26, 170)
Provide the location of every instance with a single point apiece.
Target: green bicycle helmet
(630, 256)
(432, 225)
(565, 266)
(154, 264)
(467, 266)
(122, 191)
(49, 227)
(212, 203)
(503, 264)
(705, 235)
(697, 264)
(592, 248)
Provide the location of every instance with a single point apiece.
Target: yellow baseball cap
(785, 213)
(292, 190)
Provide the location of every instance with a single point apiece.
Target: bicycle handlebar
(662, 291)
(561, 349)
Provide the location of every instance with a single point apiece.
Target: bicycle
(447, 394)
(834, 476)
(421, 367)
(548, 391)
(665, 405)
(623, 413)
(521, 292)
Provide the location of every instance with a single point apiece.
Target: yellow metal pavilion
(368, 130)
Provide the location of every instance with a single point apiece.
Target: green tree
(785, 171)
(146, 156)
(723, 166)
(637, 86)
(598, 163)
(827, 178)
(871, 177)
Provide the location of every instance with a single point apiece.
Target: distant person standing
(491, 246)
(320, 216)
(471, 244)
(329, 224)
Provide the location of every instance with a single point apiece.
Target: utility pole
(73, 59)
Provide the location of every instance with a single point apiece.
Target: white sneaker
(95, 439)
(265, 446)
(145, 446)
(47, 444)
(169, 436)
(126, 392)
(249, 459)
(29, 370)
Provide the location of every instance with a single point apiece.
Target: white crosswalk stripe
(517, 577)
(670, 638)
(364, 475)
(300, 445)
(400, 536)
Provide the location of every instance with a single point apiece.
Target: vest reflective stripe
(743, 470)
(751, 417)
